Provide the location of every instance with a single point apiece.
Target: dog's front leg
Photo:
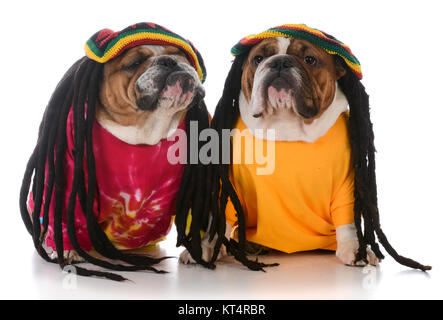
(207, 247)
(71, 256)
(347, 246)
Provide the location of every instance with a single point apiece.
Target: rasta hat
(106, 44)
(320, 38)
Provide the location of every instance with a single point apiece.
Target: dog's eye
(311, 60)
(134, 65)
(257, 59)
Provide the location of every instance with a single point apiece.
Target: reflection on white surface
(308, 275)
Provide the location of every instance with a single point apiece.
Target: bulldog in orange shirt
(298, 83)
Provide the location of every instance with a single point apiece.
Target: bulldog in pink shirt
(101, 179)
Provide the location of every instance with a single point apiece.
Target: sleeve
(342, 205)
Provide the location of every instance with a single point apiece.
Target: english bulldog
(288, 86)
(144, 97)
(123, 101)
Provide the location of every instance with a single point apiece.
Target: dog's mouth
(284, 93)
(176, 89)
(280, 83)
(277, 91)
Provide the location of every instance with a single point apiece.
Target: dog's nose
(165, 61)
(280, 63)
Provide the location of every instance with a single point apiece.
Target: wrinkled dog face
(168, 81)
(146, 88)
(286, 76)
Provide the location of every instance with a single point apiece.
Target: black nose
(280, 63)
(165, 61)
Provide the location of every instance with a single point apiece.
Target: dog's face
(147, 86)
(287, 76)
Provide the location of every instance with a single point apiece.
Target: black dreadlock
(193, 195)
(362, 144)
(219, 187)
(365, 194)
(79, 87)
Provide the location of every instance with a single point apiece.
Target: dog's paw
(207, 247)
(185, 257)
(347, 253)
(207, 253)
(254, 249)
(71, 256)
(347, 247)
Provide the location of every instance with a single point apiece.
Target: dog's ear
(245, 61)
(340, 67)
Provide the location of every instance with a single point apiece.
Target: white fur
(207, 247)
(347, 246)
(290, 127)
(158, 126)
(143, 81)
(283, 44)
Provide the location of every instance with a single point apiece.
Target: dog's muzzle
(287, 85)
(166, 74)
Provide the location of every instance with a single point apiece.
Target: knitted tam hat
(320, 38)
(106, 44)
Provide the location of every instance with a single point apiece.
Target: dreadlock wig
(63, 197)
(361, 138)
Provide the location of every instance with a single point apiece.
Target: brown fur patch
(265, 48)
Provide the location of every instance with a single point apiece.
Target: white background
(399, 46)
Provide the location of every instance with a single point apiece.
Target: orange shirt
(309, 194)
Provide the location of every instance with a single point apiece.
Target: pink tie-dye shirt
(137, 188)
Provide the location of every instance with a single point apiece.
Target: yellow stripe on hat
(140, 36)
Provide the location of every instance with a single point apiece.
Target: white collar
(288, 126)
(157, 127)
